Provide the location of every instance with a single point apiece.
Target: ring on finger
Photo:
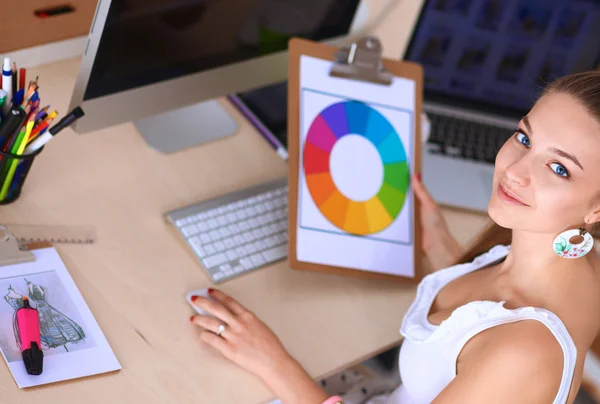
(220, 330)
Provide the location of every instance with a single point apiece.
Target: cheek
(556, 209)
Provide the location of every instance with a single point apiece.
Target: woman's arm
(518, 363)
(249, 343)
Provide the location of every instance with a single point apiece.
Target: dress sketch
(56, 329)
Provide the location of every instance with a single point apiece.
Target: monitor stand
(186, 127)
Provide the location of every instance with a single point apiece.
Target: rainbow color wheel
(355, 217)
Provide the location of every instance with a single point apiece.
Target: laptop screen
(497, 55)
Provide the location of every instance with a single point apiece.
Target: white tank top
(429, 353)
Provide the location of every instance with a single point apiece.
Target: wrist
(290, 383)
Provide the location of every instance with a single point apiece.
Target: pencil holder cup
(13, 172)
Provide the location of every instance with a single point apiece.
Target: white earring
(574, 243)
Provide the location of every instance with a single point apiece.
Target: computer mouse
(199, 292)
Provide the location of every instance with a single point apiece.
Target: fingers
(211, 324)
(218, 343)
(421, 192)
(216, 309)
(229, 302)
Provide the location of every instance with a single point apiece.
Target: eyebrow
(566, 155)
(552, 149)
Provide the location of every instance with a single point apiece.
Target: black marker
(63, 123)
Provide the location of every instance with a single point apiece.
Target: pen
(22, 75)
(28, 324)
(7, 84)
(264, 132)
(63, 123)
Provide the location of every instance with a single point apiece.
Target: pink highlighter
(28, 324)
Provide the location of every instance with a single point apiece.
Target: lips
(509, 196)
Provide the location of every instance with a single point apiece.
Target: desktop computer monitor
(161, 63)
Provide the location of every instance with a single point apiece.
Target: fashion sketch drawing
(56, 329)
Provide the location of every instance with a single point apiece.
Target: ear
(594, 216)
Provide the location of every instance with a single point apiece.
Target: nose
(517, 173)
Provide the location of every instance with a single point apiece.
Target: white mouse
(199, 292)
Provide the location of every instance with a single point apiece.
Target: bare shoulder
(519, 362)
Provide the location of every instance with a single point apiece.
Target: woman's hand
(441, 248)
(249, 343)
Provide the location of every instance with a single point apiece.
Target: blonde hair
(585, 88)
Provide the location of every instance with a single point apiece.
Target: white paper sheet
(357, 164)
(73, 344)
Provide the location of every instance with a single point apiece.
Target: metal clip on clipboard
(361, 61)
(10, 252)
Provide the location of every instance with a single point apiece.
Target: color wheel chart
(355, 168)
(355, 216)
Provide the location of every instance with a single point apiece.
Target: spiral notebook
(73, 343)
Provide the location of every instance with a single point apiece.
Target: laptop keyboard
(460, 138)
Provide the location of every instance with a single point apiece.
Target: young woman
(512, 326)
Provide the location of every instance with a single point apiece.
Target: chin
(503, 216)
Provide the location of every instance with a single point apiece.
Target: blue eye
(523, 139)
(559, 169)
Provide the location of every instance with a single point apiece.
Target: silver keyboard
(239, 232)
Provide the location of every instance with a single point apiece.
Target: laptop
(485, 63)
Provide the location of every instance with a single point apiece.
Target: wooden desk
(135, 277)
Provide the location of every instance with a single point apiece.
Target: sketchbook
(73, 343)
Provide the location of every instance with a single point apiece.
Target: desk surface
(135, 277)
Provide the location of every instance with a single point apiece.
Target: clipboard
(360, 63)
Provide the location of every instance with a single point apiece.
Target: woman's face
(547, 175)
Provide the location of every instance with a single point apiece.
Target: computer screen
(503, 52)
(148, 41)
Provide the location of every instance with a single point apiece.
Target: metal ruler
(54, 234)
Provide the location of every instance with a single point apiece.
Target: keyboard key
(225, 267)
(241, 251)
(210, 249)
(229, 243)
(247, 263)
(257, 259)
(260, 245)
(199, 251)
(231, 255)
(204, 238)
(214, 260)
(189, 230)
(217, 276)
(219, 246)
(251, 248)
(275, 254)
(238, 269)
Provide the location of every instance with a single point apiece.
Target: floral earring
(574, 243)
